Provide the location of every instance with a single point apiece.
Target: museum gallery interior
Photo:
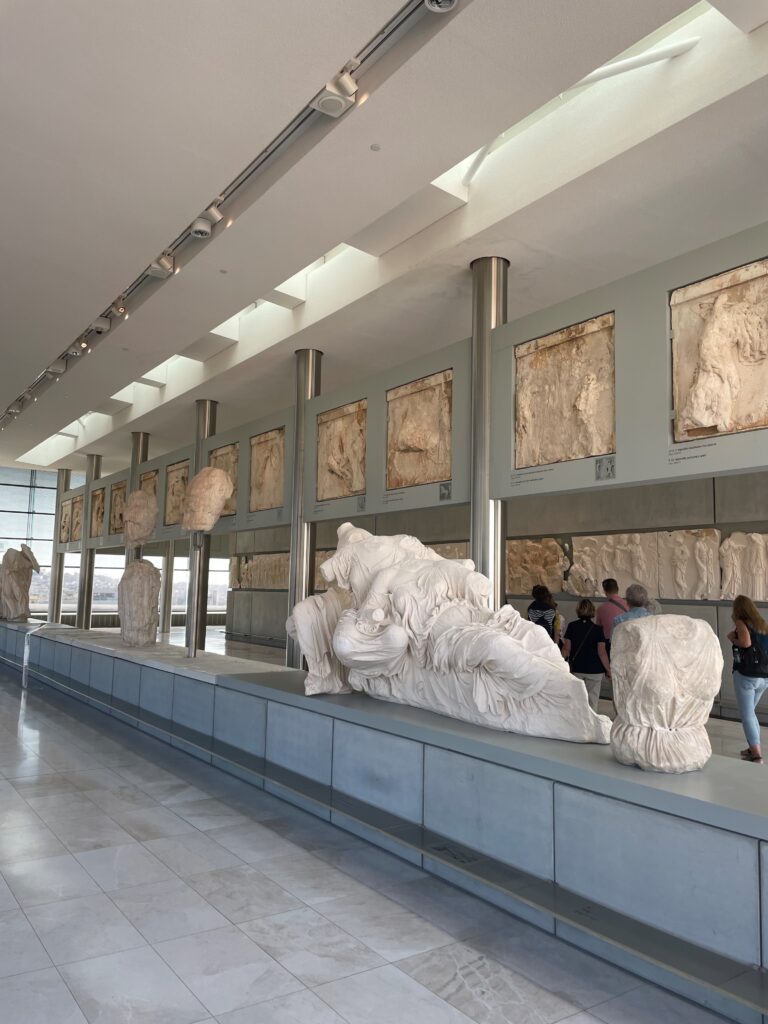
(383, 512)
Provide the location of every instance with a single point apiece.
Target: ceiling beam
(745, 14)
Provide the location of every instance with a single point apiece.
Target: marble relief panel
(419, 431)
(65, 523)
(148, 482)
(341, 451)
(532, 562)
(76, 532)
(453, 549)
(720, 353)
(265, 571)
(689, 565)
(117, 507)
(267, 478)
(227, 458)
(627, 557)
(176, 480)
(97, 513)
(744, 566)
(565, 394)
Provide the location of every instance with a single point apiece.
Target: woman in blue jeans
(750, 670)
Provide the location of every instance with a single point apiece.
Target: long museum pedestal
(663, 875)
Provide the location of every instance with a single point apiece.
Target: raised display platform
(660, 874)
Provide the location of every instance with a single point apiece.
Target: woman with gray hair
(636, 597)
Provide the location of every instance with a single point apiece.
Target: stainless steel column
(300, 578)
(166, 593)
(199, 543)
(87, 555)
(487, 525)
(63, 477)
(139, 454)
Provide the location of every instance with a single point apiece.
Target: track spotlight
(15, 408)
(101, 324)
(337, 96)
(119, 308)
(83, 343)
(162, 267)
(201, 228)
(440, 6)
(214, 214)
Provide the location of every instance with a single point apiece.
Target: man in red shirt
(613, 606)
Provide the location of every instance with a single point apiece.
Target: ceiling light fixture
(213, 213)
(83, 343)
(119, 308)
(339, 93)
(101, 324)
(162, 267)
(440, 6)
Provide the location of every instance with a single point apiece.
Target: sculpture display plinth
(666, 672)
(138, 593)
(403, 624)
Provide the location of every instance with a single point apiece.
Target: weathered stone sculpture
(15, 581)
(418, 630)
(139, 518)
(137, 603)
(206, 496)
(666, 672)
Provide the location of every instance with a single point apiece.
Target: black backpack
(752, 661)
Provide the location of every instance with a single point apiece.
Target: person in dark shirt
(584, 650)
(543, 611)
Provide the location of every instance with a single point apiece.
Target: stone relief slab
(267, 478)
(117, 507)
(744, 564)
(65, 523)
(455, 549)
(265, 571)
(148, 482)
(77, 518)
(532, 562)
(320, 557)
(419, 431)
(176, 480)
(720, 353)
(689, 565)
(227, 458)
(627, 557)
(341, 450)
(565, 394)
(97, 513)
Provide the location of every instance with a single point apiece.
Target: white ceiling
(488, 67)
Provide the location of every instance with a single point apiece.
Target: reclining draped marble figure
(403, 624)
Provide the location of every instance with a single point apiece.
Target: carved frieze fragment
(227, 458)
(625, 557)
(533, 562)
(65, 523)
(117, 506)
(689, 565)
(176, 480)
(77, 518)
(97, 513)
(419, 431)
(267, 480)
(341, 450)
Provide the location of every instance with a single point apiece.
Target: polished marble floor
(139, 886)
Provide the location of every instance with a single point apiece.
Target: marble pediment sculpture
(138, 593)
(666, 672)
(403, 624)
(205, 499)
(139, 517)
(15, 580)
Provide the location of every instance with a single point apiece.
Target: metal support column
(199, 542)
(166, 593)
(300, 578)
(487, 521)
(87, 554)
(139, 454)
(63, 477)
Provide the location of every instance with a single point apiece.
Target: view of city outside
(27, 509)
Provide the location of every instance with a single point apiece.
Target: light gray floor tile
(309, 878)
(18, 815)
(167, 910)
(298, 1008)
(29, 766)
(90, 831)
(116, 801)
(20, 948)
(253, 842)
(389, 929)
(209, 814)
(649, 1005)
(28, 843)
(40, 997)
(60, 805)
(7, 899)
(152, 823)
(242, 893)
(42, 785)
(553, 964)
(173, 791)
(448, 908)
(311, 947)
(192, 854)
(95, 778)
(117, 867)
(226, 970)
(309, 832)
(483, 989)
(374, 868)
(51, 878)
(386, 996)
(141, 771)
(133, 986)
(82, 928)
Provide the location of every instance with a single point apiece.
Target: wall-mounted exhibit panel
(398, 440)
(71, 506)
(702, 315)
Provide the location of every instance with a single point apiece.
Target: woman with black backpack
(750, 670)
